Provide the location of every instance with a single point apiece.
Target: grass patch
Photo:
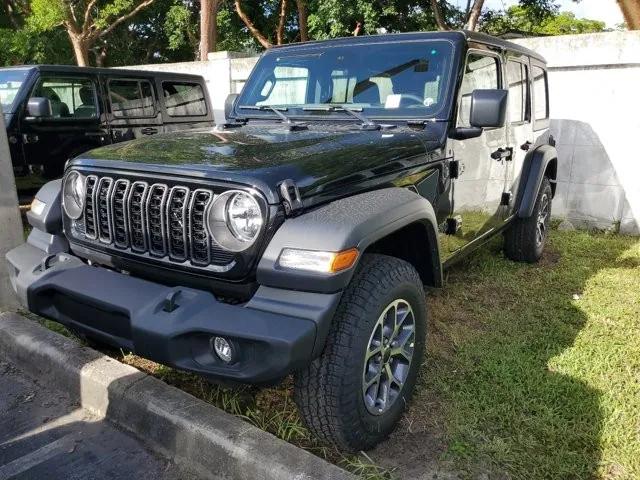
(532, 372)
(536, 367)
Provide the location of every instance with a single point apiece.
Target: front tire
(525, 239)
(354, 394)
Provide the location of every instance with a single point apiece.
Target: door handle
(502, 153)
(30, 138)
(525, 146)
(149, 131)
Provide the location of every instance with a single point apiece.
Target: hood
(319, 160)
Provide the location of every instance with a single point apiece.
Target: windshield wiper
(278, 111)
(366, 123)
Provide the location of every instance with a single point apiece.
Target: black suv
(299, 236)
(54, 112)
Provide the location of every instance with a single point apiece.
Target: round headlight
(244, 217)
(235, 220)
(73, 194)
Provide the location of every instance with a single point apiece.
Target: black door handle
(502, 153)
(525, 146)
(149, 131)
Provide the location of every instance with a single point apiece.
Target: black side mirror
(39, 107)
(488, 108)
(229, 104)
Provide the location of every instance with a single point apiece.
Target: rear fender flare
(533, 170)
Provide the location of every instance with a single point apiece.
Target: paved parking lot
(43, 434)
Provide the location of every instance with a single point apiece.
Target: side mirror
(229, 104)
(488, 108)
(39, 107)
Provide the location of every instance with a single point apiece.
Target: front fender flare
(533, 170)
(356, 221)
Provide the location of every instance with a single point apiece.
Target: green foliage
(46, 14)
(179, 26)
(29, 46)
(530, 21)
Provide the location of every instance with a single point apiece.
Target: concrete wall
(595, 106)
(11, 234)
(595, 110)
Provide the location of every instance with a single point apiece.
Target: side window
(481, 72)
(131, 98)
(518, 81)
(71, 97)
(183, 99)
(287, 86)
(540, 94)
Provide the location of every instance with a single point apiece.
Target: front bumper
(275, 333)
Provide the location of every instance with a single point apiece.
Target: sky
(604, 10)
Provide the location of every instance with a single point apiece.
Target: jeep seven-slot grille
(153, 219)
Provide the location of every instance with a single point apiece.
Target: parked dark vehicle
(298, 237)
(54, 113)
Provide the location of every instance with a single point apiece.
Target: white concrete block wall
(594, 83)
(595, 110)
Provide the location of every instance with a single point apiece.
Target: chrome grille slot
(155, 219)
(102, 209)
(89, 209)
(119, 213)
(177, 206)
(200, 242)
(136, 217)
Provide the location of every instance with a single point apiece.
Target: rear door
(133, 107)
(521, 138)
(77, 123)
(184, 104)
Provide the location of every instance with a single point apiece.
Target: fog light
(223, 349)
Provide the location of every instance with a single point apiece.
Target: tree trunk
(474, 15)
(437, 13)
(302, 20)
(206, 28)
(631, 13)
(80, 49)
(257, 34)
(282, 17)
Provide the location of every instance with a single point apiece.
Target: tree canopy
(126, 32)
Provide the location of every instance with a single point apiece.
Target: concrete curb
(193, 433)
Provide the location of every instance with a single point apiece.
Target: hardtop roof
(454, 36)
(103, 71)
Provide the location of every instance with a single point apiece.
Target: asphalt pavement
(45, 435)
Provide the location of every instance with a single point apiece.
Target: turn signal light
(317, 261)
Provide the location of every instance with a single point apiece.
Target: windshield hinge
(290, 197)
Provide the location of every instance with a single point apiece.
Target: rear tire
(354, 394)
(525, 238)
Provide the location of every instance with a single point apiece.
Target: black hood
(320, 160)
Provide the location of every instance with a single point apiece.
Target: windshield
(384, 80)
(10, 83)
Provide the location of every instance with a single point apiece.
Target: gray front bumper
(276, 332)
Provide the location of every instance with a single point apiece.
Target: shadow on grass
(497, 395)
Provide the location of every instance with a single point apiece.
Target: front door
(477, 192)
(76, 124)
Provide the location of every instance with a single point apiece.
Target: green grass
(533, 371)
(536, 368)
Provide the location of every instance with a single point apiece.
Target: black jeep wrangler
(298, 237)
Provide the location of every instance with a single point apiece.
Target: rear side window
(184, 99)
(518, 80)
(481, 72)
(540, 94)
(131, 98)
(73, 97)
